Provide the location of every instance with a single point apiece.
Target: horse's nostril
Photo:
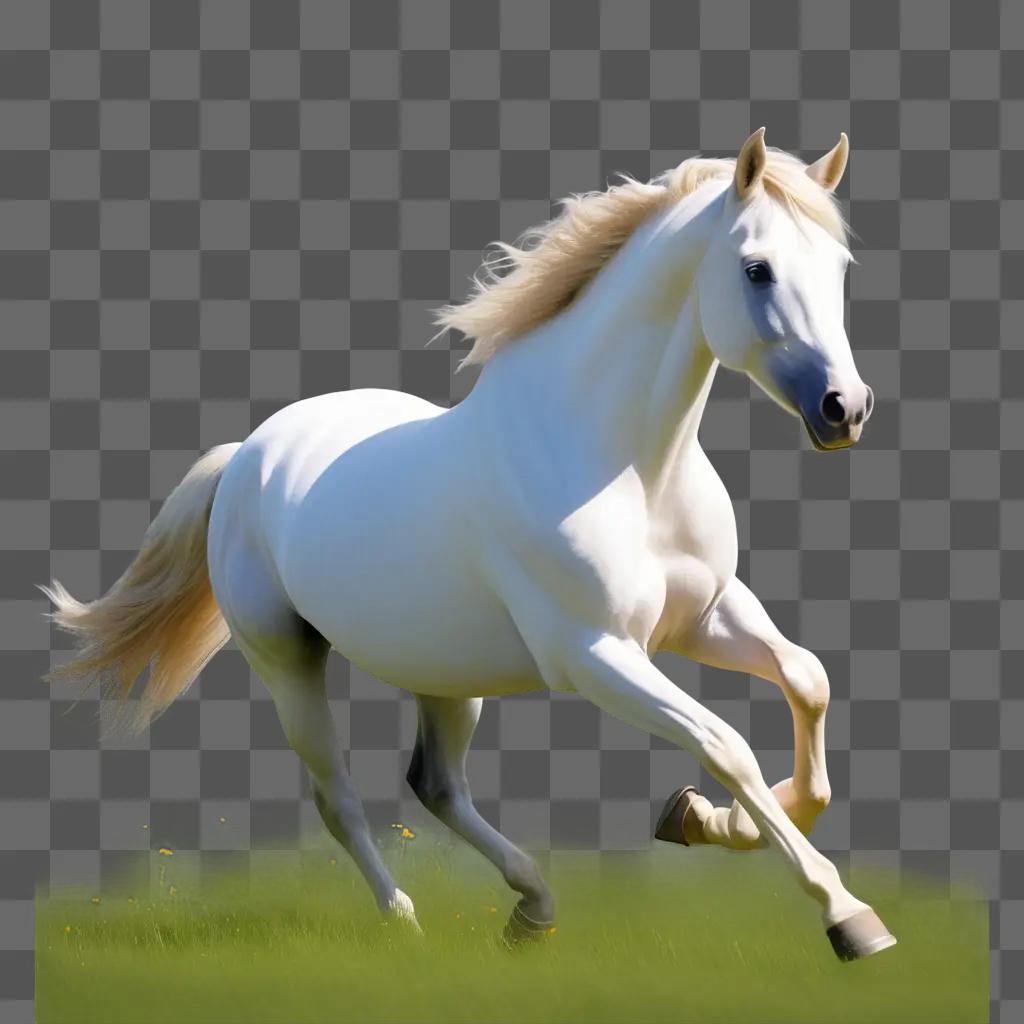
(832, 408)
(870, 403)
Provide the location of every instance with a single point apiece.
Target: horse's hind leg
(437, 774)
(290, 657)
(305, 716)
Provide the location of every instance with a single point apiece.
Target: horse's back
(359, 503)
(302, 446)
(283, 457)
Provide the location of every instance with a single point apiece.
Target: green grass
(674, 935)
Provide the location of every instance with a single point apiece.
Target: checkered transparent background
(209, 210)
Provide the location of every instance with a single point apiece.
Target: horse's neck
(627, 365)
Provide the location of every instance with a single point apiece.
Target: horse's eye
(759, 272)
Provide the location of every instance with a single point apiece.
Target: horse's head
(770, 291)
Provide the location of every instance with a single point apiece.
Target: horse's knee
(805, 681)
(727, 756)
(818, 797)
(804, 811)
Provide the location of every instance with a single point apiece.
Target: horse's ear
(750, 164)
(828, 170)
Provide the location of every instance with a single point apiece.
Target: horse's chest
(697, 549)
(691, 587)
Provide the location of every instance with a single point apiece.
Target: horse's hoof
(677, 824)
(401, 913)
(522, 930)
(860, 935)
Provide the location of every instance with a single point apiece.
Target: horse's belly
(413, 628)
(491, 663)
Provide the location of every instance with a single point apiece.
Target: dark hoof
(860, 936)
(522, 930)
(676, 824)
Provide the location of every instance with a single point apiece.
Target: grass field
(675, 935)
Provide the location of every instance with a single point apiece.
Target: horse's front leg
(616, 675)
(738, 635)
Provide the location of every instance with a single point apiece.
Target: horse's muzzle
(838, 419)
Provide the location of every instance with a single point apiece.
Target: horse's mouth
(845, 441)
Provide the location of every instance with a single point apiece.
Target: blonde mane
(520, 286)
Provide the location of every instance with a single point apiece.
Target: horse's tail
(160, 613)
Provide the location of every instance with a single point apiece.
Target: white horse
(554, 529)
